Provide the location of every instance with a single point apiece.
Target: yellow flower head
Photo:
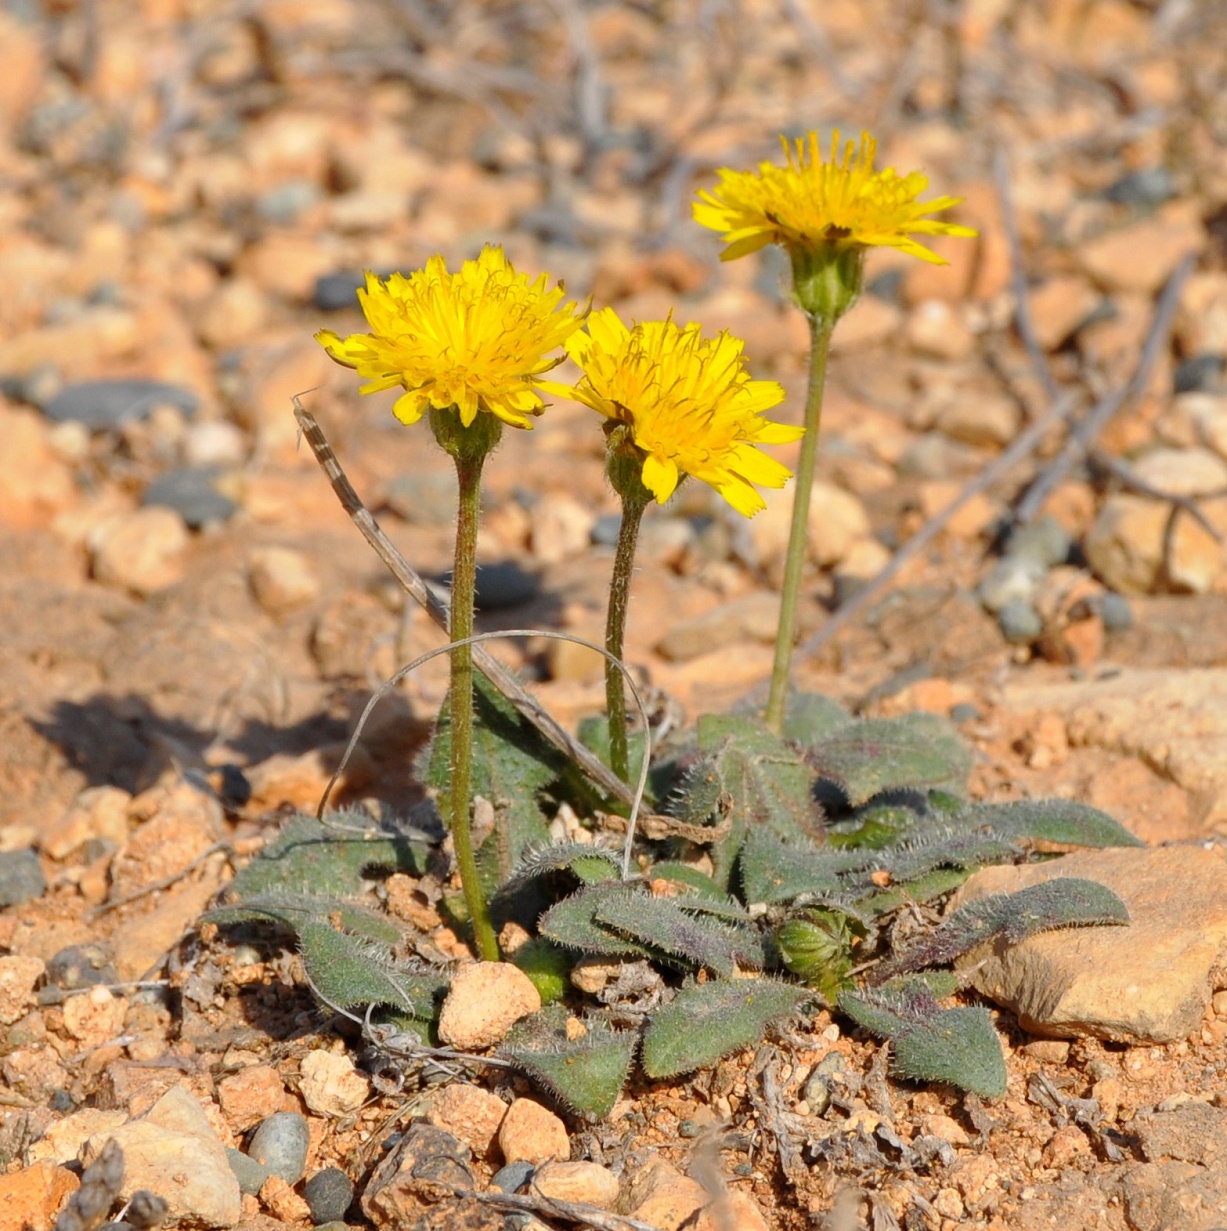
(810, 203)
(686, 402)
(474, 340)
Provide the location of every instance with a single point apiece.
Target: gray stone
(328, 1194)
(78, 966)
(194, 492)
(21, 877)
(1115, 612)
(1012, 579)
(1019, 622)
(336, 292)
(513, 1177)
(249, 1173)
(1142, 189)
(280, 1143)
(504, 584)
(1044, 542)
(285, 202)
(424, 498)
(105, 404)
(605, 530)
(1199, 373)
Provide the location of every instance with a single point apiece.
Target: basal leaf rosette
(680, 404)
(474, 340)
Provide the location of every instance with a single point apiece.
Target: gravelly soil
(178, 175)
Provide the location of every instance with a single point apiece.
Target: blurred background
(188, 190)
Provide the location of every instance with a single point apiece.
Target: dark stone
(1199, 374)
(501, 585)
(1142, 189)
(84, 965)
(888, 285)
(105, 404)
(193, 492)
(280, 1144)
(21, 877)
(606, 528)
(964, 712)
(513, 1177)
(328, 1193)
(336, 292)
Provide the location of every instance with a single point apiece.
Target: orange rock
(33, 1197)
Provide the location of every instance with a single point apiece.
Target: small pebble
(1199, 373)
(84, 965)
(423, 499)
(582, 1182)
(249, 1173)
(1143, 189)
(503, 584)
(280, 1145)
(965, 711)
(485, 1000)
(329, 1194)
(336, 292)
(215, 443)
(513, 1177)
(1011, 579)
(532, 1133)
(1019, 622)
(1045, 543)
(21, 877)
(105, 404)
(195, 493)
(605, 530)
(282, 205)
(1115, 612)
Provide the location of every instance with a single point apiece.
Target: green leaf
(956, 1046)
(763, 781)
(959, 1047)
(706, 1021)
(810, 718)
(512, 765)
(1058, 903)
(774, 870)
(1063, 821)
(293, 910)
(913, 751)
(547, 966)
(585, 1074)
(587, 862)
(573, 924)
(350, 971)
(666, 925)
(923, 888)
(328, 858)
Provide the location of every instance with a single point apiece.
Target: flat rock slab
(1175, 721)
(1149, 982)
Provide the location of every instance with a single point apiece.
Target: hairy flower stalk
(468, 349)
(676, 404)
(825, 213)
